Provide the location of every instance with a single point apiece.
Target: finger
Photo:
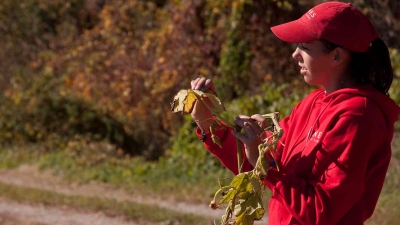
(258, 117)
(247, 127)
(262, 122)
(240, 119)
(193, 83)
(243, 117)
(200, 83)
(258, 130)
(208, 85)
(243, 137)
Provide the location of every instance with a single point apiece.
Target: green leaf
(216, 140)
(249, 210)
(240, 207)
(236, 185)
(255, 207)
(255, 183)
(246, 190)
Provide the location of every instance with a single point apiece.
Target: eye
(302, 46)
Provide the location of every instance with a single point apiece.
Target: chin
(308, 80)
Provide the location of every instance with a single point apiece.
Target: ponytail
(373, 66)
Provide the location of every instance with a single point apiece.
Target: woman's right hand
(201, 114)
(203, 84)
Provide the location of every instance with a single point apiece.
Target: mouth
(303, 70)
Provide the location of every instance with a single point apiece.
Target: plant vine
(243, 196)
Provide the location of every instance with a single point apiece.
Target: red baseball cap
(337, 22)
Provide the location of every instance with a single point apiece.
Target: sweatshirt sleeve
(228, 153)
(339, 175)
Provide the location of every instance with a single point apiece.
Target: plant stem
(239, 151)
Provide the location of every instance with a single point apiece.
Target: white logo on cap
(310, 14)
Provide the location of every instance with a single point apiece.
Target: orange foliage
(126, 59)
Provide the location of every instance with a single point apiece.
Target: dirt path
(12, 213)
(31, 176)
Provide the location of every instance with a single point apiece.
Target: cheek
(320, 66)
(320, 73)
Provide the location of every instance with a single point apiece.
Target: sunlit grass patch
(182, 182)
(134, 211)
(174, 180)
(388, 208)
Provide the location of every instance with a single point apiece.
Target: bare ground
(12, 213)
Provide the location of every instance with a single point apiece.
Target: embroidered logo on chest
(316, 136)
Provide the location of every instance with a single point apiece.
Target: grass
(386, 212)
(81, 161)
(135, 173)
(11, 157)
(151, 178)
(134, 211)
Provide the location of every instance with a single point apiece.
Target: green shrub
(187, 155)
(42, 111)
(272, 98)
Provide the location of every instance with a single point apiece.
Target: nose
(296, 54)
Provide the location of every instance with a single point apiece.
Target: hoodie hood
(389, 107)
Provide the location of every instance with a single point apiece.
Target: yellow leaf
(177, 105)
(189, 102)
(184, 101)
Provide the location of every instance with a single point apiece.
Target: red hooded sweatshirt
(333, 161)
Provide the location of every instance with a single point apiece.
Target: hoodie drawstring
(290, 152)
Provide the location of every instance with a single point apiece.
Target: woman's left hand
(253, 135)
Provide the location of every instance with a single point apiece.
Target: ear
(340, 56)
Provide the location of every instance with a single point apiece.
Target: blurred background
(87, 85)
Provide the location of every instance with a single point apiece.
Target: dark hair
(370, 67)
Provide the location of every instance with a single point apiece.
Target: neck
(339, 81)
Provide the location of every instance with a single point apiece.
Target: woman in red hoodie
(336, 144)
